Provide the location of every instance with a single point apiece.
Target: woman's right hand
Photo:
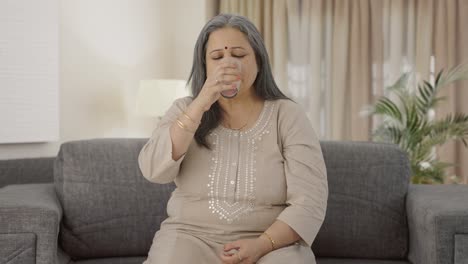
(222, 79)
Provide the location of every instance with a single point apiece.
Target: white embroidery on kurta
(231, 182)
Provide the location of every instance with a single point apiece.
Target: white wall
(29, 59)
(106, 47)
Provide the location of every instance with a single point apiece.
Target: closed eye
(233, 55)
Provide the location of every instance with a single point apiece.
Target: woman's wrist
(199, 105)
(195, 110)
(264, 244)
(273, 243)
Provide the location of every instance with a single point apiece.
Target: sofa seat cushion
(132, 260)
(359, 261)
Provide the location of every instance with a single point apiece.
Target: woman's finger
(227, 87)
(232, 245)
(228, 71)
(226, 79)
(228, 250)
(229, 259)
(227, 65)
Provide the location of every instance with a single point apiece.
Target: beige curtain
(351, 50)
(450, 48)
(330, 64)
(334, 56)
(304, 75)
(313, 45)
(427, 36)
(351, 78)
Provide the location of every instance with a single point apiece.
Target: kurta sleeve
(305, 171)
(155, 158)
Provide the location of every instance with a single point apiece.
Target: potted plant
(407, 115)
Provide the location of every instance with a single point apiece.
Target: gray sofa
(99, 208)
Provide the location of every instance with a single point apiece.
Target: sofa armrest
(29, 223)
(438, 224)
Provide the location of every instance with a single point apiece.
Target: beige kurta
(274, 170)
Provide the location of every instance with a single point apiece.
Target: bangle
(183, 126)
(189, 118)
(273, 243)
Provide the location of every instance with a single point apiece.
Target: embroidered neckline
(258, 126)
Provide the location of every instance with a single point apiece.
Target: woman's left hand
(249, 251)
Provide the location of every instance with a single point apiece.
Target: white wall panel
(29, 58)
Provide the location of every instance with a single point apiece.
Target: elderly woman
(250, 175)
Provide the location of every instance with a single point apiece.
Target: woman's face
(230, 42)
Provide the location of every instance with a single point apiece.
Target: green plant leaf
(387, 108)
(405, 122)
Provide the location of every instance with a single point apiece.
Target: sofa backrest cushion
(366, 215)
(26, 170)
(109, 208)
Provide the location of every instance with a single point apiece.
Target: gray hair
(265, 85)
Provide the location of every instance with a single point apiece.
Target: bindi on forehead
(226, 48)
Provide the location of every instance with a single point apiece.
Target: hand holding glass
(233, 92)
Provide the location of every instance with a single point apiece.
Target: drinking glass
(234, 91)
